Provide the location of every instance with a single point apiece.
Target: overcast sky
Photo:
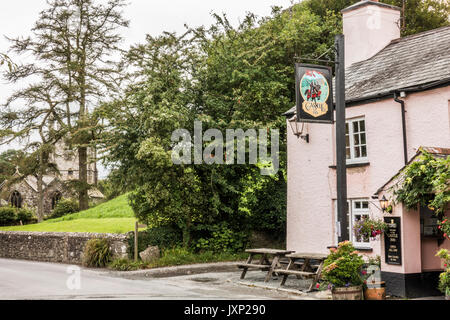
(146, 17)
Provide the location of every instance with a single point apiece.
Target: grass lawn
(114, 216)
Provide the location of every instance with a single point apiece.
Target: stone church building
(24, 192)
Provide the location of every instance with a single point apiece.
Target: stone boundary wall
(54, 246)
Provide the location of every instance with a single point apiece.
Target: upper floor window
(356, 142)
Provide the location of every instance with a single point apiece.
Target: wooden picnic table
(303, 265)
(264, 262)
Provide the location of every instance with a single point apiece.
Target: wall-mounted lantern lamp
(384, 204)
(295, 127)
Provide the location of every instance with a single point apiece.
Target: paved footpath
(38, 280)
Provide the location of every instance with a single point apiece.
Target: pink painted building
(388, 78)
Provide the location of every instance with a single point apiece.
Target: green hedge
(64, 207)
(163, 237)
(10, 216)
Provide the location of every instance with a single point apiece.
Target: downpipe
(405, 143)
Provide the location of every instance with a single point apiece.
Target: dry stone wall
(55, 247)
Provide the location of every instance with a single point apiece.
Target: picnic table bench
(264, 262)
(303, 265)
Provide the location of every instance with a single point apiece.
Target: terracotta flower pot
(347, 293)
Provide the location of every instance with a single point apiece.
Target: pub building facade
(397, 101)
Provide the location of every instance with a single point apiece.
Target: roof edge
(420, 150)
(368, 2)
(381, 96)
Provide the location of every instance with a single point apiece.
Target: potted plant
(343, 272)
(374, 288)
(369, 228)
(444, 277)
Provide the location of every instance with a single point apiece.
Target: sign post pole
(136, 235)
(341, 169)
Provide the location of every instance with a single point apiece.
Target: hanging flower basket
(369, 228)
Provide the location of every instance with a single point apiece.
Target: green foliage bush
(97, 253)
(343, 266)
(26, 216)
(7, 216)
(126, 265)
(10, 216)
(444, 282)
(444, 277)
(64, 207)
(163, 237)
(223, 239)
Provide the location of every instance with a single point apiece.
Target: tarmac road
(28, 280)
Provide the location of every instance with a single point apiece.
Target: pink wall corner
(309, 207)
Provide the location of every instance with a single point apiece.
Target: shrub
(444, 277)
(26, 216)
(223, 239)
(97, 253)
(444, 282)
(163, 237)
(7, 216)
(126, 265)
(343, 266)
(64, 207)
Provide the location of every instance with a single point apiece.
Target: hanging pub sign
(314, 93)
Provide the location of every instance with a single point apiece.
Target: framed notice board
(314, 93)
(392, 241)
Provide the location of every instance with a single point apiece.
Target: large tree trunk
(82, 167)
(40, 209)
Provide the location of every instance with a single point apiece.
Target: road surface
(21, 280)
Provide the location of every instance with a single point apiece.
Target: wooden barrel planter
(347, 293)
(375, 291)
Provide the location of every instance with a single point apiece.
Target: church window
(16, 199)
(55, 199)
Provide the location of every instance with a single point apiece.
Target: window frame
(16, 199)
(361, 212)
(351, 141)
(351, 219)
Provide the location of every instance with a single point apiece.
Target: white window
(358, 209)
(356, 140)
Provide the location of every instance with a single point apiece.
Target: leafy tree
(71, 44)
(422, 15)
(9, 161)
(417, 15)
(227, 77)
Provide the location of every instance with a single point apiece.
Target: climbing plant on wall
(426, 182)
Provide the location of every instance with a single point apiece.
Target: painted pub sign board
(392, 241)
(314, 93)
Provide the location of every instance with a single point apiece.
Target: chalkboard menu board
(392, 241)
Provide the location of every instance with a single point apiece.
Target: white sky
(17, 17)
